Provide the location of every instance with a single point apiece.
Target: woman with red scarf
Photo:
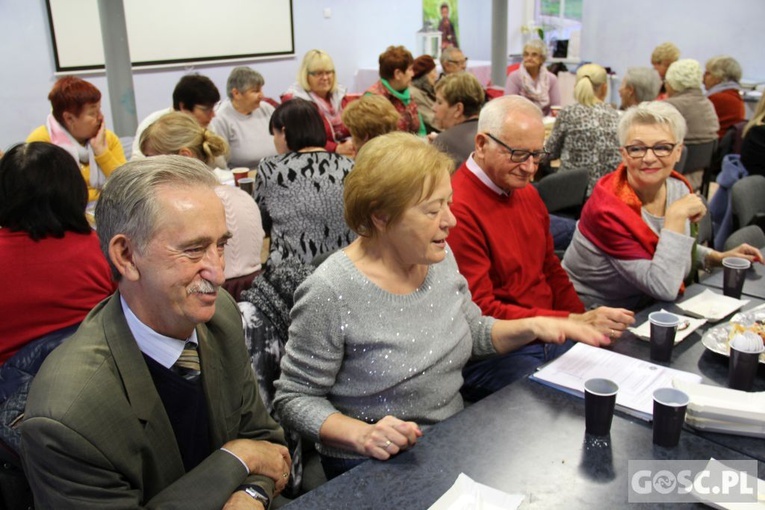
(636, 239)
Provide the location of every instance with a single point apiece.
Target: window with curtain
(561, 20)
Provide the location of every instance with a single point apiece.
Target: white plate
(716, 338)
(711, 306)
(687, 326)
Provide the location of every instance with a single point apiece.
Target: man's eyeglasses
(459, 62)
(521, 155)
(660, 150)
(321, 73)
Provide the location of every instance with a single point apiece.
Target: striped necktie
(187, 365)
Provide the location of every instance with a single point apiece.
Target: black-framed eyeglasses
(660, 150)
(331, 72)
(459, 62)
(521, 155)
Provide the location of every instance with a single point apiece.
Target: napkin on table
(467, 494)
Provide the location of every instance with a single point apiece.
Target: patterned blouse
(586, 137)
(300, 196)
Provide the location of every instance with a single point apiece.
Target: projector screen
(173, 32)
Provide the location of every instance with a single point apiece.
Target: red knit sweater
(47, 285)
(505, 251)
(729, 107)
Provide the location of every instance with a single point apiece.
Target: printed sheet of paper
(637, 379)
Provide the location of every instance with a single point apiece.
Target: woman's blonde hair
(316, 60)
(759, 115)
(392, 172)
(589, 79)
(177, 130)
(665, 53)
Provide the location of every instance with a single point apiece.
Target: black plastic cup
(599, 402)
(663, 329)
(669, 407)
(744, 361)
(734, 274)
(247, 184)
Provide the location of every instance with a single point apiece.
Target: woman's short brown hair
(392, 172)
(462, 88)
(395, 57)
(370, 116)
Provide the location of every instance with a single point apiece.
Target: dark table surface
(529, 439)
(753, 286)
(525, 439)
(691, 355)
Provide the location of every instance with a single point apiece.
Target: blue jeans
(562, 230)
(484, 377)
(334, 466)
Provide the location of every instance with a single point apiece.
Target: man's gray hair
(645, 81)
(448, 54)
(652, 113)
(243, 78)
(494, 114)
(128, 202)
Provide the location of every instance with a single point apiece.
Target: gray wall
(623, 34)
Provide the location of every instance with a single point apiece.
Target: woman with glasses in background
(317, 82)
(532, 80)
(635, 240)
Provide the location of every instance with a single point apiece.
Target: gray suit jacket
(96, 434)
(458, 141)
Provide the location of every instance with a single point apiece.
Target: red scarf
(612, 218)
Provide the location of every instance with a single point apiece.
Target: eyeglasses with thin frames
(321, 73)
(660, 150)
(521, 155)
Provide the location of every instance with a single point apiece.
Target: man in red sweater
(503, 245)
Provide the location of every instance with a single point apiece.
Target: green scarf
(405, 97)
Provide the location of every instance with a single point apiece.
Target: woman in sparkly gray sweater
(380, 331)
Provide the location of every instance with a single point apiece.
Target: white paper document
(637, 379)
(467, 494)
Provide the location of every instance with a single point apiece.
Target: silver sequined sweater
(367, 353)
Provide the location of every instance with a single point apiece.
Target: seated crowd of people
(410, 266)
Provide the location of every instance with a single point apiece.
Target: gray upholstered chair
(752, 235)
(564, 192)
(748, 201)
